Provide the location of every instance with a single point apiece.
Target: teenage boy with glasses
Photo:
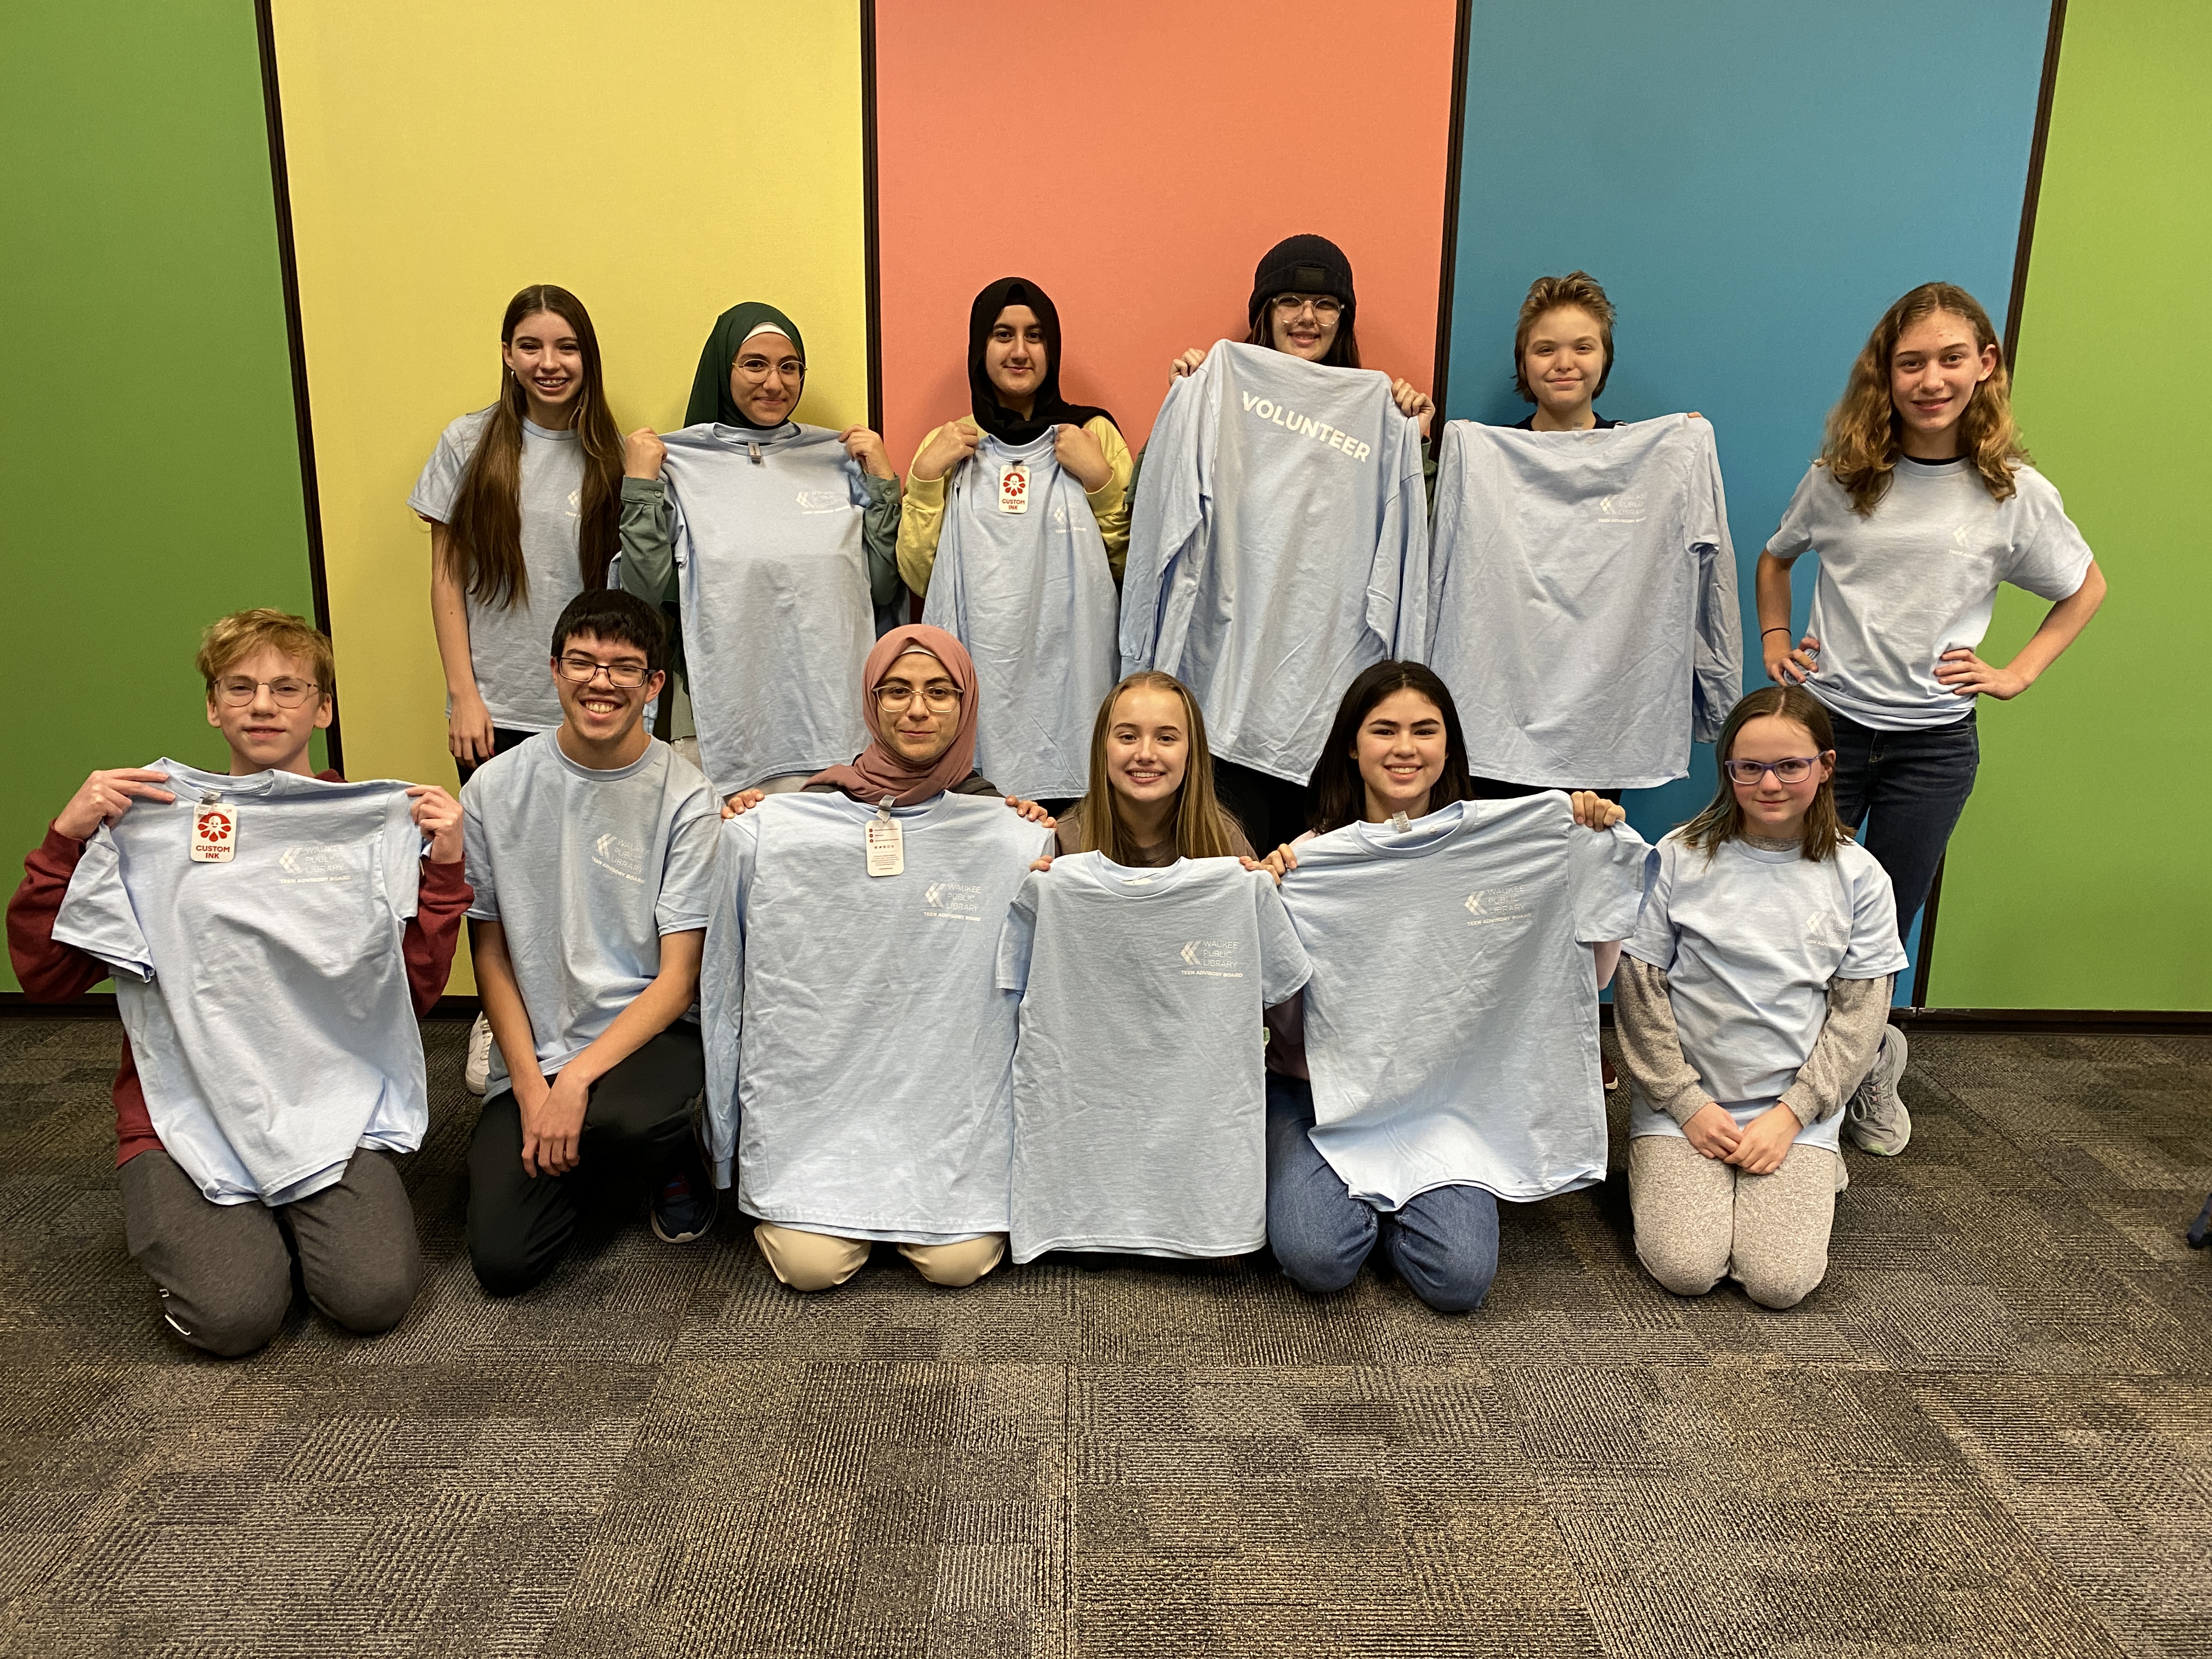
(590, 849)
(273, 933)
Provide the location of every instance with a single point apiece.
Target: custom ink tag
(1014, 488)
(1400, 822)
(215, 831)
(886, 843)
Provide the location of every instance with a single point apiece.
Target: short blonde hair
(229, 641)
(1577, 288)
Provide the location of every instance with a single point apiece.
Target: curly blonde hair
(1861, 448)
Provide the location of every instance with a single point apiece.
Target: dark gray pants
(224, 1271)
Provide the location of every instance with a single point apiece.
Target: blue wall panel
(1753, 184)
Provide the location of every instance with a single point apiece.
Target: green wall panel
(2075, 881)
(148, 453)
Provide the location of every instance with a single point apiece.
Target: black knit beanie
(1302, 265)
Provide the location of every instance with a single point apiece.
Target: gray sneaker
(1875, 1117)
(475, 1075)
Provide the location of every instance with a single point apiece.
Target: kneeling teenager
(591, 851)
(273, 935)
(1753, 1000)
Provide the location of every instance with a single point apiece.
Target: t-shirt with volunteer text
(1583, 603)
(1918, 577)
(1022, 580)
(859, 1052)
(585, 870)
(1749, 940)
(1451, 1019)
(265, 997)
(1140, 1119)
(511, 646)
(1280, 545)
(773, 576)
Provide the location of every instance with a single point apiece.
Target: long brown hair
(1201, 827)
(1723, 820)
(1861, 447)
(1343, 349)
(1338, 793)
(485, 540)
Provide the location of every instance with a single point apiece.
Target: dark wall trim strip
(264, 25)
(1441, 376)
(870, 236)
(2044, 98)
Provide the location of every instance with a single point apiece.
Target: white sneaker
(476, 1076)
(1875, 1117)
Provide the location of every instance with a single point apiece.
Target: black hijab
(1050, 409)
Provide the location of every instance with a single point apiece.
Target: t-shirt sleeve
(1654, 940)
(97, 915)
(401, 849)
(687, 878)
(441, 474)
(1283, 967)
(1875, 949)
(476, 854)
(1793, 535)
(2050, 557)
(1017, 937)
(1611, 870)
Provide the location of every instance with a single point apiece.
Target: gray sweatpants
(224, 1271)
(1698, 1218)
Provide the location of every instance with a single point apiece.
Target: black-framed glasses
(1795, 769)
(237, 691)
(938, 699)
(622, 676)
(1326, 307)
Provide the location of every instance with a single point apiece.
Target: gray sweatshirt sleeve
(1650, 1047)
(879, 528)
(1843, 1052)
(648, 559)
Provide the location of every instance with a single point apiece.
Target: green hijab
(710, 386)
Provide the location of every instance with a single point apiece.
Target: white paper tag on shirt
(886, 847)
(215, 833)
(1014, 488)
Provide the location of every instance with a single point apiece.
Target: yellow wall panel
(663, 162)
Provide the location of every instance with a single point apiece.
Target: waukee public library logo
(1211, 958)
(952, 901)
(1489, 904)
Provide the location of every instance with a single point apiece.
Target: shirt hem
(1152, 1247)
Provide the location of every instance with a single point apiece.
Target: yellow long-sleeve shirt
(922, 519)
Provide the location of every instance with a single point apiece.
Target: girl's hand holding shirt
(866, 450)
(643, 453)
(1080, 457)
(954, 442)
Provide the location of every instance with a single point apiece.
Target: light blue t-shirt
(1582, 600)
(773, 578)
(266, 999)
(1140, 1112)
(1031, 596)
(1280, 545)
(1919, 576)
(1748, 940)
(585, 871)
(1451, 1019)
(859, 1053)
(511, 647)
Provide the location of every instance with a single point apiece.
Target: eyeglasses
(622, 676)
(1795, 769)
(1326, 306)
(238, 692)
(756, 368)
(938, 699)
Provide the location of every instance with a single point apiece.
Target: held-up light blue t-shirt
(1918, 577)
(1451, 1019)
(1582, 600)
(266, 998)
(859, 1052)
(778, 621)
(586, 871)
(511, 647)
(1140, 1114)
(1031, 596)
(1280, 545)
(1748, 940)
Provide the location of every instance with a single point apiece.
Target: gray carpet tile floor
(1989, 1433)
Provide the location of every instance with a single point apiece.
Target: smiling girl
(1152, 781)
(1563, 353)
(1921, 503)
(1753, 1001)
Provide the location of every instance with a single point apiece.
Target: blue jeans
(1908, 788)
(1443, 1244)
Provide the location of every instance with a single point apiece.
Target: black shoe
(685, 1204)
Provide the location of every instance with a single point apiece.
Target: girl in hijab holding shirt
(773, 544)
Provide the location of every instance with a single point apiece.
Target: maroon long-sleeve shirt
(52, 972)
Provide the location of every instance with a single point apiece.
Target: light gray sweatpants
(1698, 1218)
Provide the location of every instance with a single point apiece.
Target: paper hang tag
(886, 843)
(1400, 822)
(215, 831)
(1014, 487)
